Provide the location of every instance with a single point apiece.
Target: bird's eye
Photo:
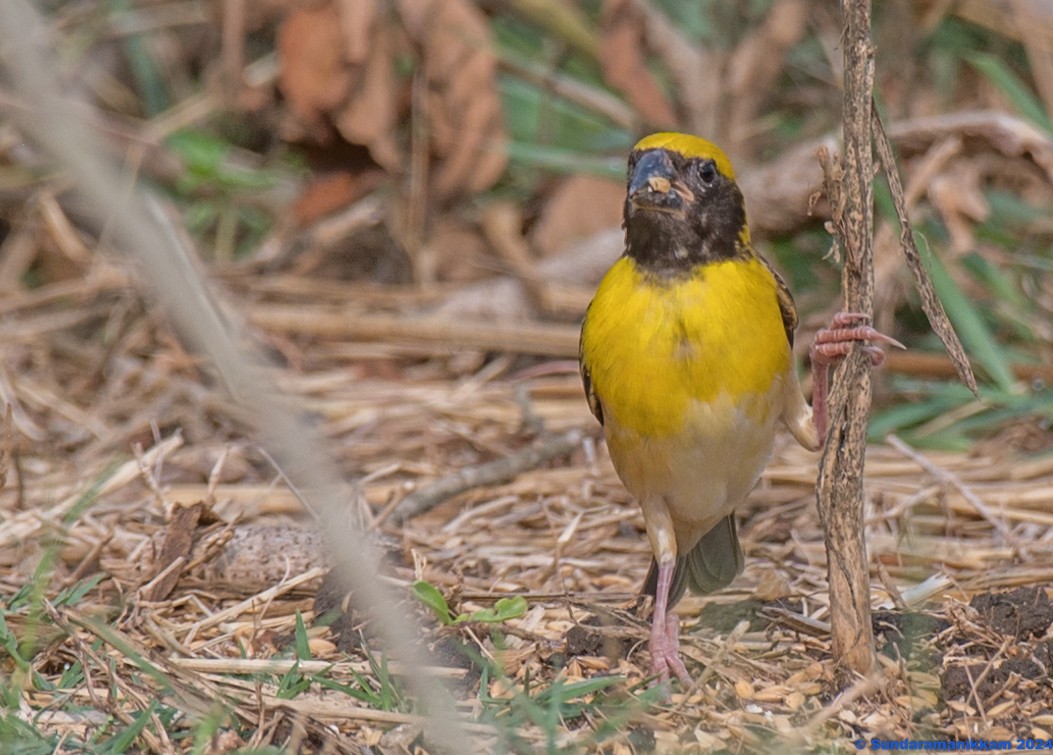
(707, 172)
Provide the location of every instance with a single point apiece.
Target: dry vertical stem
(930, 303)
(840, 484)
(7, 445)
(416, 207)
(232, 55)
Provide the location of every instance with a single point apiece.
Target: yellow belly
(701, 474)
(691, 377)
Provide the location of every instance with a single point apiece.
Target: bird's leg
(665, 631)
(832, 344)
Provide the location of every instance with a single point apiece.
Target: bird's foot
(665, 651)
(847, 328)
(833, 344)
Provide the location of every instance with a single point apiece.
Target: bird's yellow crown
(690, 147)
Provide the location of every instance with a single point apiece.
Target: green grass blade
(119, 642)
(566, 161)
(71, 596)
(19, 737)
(975, 334)
(303, 645)
(361, 690)
(122, 741)
(999, 74)
(292, 684)
(897, 419)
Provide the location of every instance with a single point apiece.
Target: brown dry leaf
(957, 194)
(177, 543)
(261, 13)
(462, 104)
(564, 220)
(329, 192)
(314, 77)
(336, 70)
(625, 65)
(321, 647)
(357, 19)
(371, 111)
(454, 251)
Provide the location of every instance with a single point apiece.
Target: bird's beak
(655, 184)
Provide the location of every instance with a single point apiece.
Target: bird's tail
(712, 564)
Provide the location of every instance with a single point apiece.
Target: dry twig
(930, 303)
(839, 487)
(491, 473)
(947, 478)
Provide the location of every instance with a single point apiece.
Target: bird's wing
(786, 305)
(586, 378)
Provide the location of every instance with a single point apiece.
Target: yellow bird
(686, 360)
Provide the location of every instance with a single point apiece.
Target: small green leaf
(429, 595)
(303, 647)
(503, 610)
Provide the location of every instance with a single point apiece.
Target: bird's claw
(845, 329)
(834, 343)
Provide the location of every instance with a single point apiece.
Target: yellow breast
(656, 347)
